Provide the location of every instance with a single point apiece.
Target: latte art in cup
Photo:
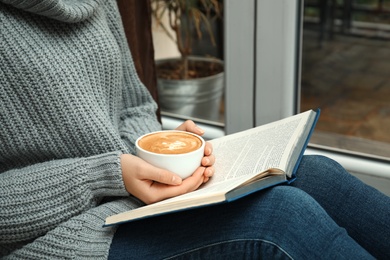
(177, 151)
(170, 143)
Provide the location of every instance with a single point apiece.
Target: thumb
(165, 177)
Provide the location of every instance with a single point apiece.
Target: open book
(246, 162)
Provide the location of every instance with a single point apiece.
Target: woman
(71, 108)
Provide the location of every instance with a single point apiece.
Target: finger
(191, 183)
(208, 149)
(161, 175)
(186, 125)
(190, 126)
(209, 172)
(208, 160)
(167, 177)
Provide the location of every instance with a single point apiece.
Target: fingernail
(201, 131)
(206, 161)
(176, 180)
(210, 172)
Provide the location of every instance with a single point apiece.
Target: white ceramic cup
(167, 150)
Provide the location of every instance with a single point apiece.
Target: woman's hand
(152, 184)
(208, 159)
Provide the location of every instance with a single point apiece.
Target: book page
(253, 151)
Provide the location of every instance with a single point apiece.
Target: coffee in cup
(177, 151)
(170, 142)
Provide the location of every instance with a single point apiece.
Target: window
(345, 71)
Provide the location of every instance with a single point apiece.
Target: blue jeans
(325, 214)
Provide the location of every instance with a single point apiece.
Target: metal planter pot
(195, 98)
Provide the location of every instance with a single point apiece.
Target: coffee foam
(170, 143)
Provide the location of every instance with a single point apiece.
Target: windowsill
(353, 145)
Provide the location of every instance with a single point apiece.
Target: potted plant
(189, 85)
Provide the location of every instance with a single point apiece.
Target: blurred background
(346, 72)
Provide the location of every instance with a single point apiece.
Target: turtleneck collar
(71, 11)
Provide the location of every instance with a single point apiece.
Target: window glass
(345, 72)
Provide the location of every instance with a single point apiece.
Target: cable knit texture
(70, 105)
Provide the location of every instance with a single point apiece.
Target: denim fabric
(320, 216)
(361, 209)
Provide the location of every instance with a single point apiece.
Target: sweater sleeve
(138, 114)
(37, 198)
(81, 237)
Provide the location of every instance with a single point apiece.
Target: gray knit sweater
(70, 104)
